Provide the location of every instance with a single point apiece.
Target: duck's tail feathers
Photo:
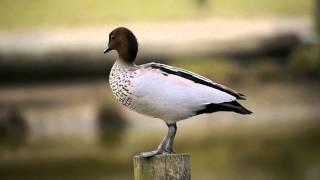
(233, 106)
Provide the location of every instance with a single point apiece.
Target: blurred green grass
(66, 168)
(265, 151)
(38, 13)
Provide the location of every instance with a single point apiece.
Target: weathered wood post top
(162, 167)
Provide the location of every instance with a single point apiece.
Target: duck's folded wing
(195, 78)
(167, 96)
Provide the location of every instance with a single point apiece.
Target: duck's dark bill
(107, 50)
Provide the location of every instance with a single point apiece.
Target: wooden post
(162, 167)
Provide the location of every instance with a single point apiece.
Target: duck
(165, 92)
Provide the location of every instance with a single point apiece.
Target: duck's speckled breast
(120, 80)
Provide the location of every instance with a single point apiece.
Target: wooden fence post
(162, 167)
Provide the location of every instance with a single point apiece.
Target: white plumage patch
(171, 97)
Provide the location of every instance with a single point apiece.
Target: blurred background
(59, 120)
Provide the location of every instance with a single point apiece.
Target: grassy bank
(265, 151)
(37, 13)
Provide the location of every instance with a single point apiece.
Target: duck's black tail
(233, 106)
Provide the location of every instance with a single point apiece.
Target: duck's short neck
(128, 53)
(124, 63)
(127, 58)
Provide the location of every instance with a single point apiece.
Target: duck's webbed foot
(151, 153)
(168, 150)
(159, 150)
(166, 146)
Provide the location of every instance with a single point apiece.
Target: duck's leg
(171, 134)
(164, 143)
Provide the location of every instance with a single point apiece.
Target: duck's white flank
(155, 93)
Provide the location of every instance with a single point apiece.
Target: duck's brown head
(124, 42)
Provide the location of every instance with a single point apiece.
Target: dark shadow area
(111, 125)
(13, 127)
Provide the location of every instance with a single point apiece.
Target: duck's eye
(112, 37)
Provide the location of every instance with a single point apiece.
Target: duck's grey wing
(194, 77)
